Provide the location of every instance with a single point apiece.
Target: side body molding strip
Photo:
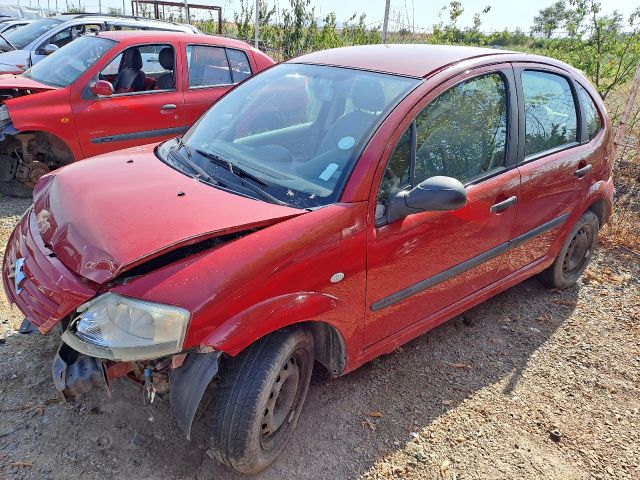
(466, 265)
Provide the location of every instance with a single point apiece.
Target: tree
(550, 19)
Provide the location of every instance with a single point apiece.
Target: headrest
(166, 58)
(367, 94)
(132, 59)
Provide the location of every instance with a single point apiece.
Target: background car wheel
(258, 399)
(575, 254)
(15, 188)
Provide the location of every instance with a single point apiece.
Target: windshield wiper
(240, 173)
(193, 165)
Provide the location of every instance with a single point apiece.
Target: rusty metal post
(620, 129)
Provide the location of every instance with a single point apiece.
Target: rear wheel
(258, 400)
(575, 254)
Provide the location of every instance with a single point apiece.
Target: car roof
(157, 35)
(412, 60)
(124, 20)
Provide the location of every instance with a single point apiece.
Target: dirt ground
(473, 399)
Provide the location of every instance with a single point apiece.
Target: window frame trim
(539, 67)
(504, 70)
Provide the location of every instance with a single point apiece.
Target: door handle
(500, 206)
(169, 106)
(581, 172)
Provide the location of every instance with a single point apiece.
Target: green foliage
(605, 47)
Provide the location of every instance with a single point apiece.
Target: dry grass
(623, 229)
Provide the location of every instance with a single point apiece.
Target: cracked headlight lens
(122, 328)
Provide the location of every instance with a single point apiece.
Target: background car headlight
(122, 328)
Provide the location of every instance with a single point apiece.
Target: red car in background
(415, 182)
(112, 90)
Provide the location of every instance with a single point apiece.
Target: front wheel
(258, 400)
(575, 254)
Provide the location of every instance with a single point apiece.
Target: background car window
(60, 39)
(22, 37)
(590, 112)
(240, 66)
(462, 134)
(550, 112)
(208, 66)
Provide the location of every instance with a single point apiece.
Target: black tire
(258, 400)
(575, 254)
(15, 188)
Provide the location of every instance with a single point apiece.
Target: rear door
(422, 264)
(554, 166)
(132, 118)
(210, 72)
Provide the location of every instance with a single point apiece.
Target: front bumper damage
(185, 377)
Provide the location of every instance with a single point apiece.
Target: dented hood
(21, 82)
(104, 215)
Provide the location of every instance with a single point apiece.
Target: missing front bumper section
(75, 373)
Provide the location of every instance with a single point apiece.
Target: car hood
(107, 214)
(22, 83)
(9, 61)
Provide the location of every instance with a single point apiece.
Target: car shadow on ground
(347, 425)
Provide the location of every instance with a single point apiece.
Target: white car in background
(24, 47)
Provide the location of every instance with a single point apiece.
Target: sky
(503, 14)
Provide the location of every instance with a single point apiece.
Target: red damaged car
(409, 184)
(109, 91)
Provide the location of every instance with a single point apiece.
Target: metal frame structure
(158, 9)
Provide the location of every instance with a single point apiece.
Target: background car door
(553, 165)
(146, 114)
(210, 72)
(425, 262)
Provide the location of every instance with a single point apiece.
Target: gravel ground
(473, 399)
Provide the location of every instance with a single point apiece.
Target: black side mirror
(433, 194)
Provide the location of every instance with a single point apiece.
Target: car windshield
(295, 130)
(63, 67)
(23, 36)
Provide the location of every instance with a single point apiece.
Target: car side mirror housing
(50, 48)
(102, 88)
(433, 194)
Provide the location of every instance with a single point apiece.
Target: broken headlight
(122, 328)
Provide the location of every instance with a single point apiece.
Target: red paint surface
(87, 118)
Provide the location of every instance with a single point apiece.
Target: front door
(147, 106)
(425, 262)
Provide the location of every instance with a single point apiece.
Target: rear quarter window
(590, 112)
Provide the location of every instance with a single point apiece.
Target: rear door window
(551, 121)
(208, 66)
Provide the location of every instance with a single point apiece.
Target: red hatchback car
(109, 91)
(409, 184)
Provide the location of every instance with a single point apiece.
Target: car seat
(367, 98)
(167, 59)
(130, 77)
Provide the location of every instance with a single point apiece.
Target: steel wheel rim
(284, 399)
(578, 253)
